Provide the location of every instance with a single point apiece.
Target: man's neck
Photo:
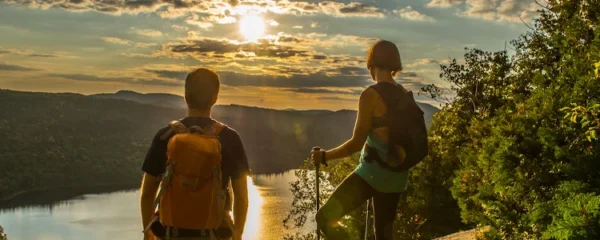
(198, 113)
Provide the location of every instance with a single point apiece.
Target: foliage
(54, 140)
(516, 151)
(588, 118)
(524, 155)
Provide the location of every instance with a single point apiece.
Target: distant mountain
(49, 139)
(159, 99)
(171, 100)
(274, 139)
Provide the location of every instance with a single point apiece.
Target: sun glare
(252, 27)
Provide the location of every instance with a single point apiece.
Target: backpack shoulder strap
(396, 98)
(391, 95)
(213, 129)
(217, 127)
(174, 127)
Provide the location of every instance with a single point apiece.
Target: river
(116, 215)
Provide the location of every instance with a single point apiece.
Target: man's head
(201, 89)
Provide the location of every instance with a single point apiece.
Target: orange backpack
(191, 195)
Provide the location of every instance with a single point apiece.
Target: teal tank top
(380, 179)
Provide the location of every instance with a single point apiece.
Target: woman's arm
(361, 129)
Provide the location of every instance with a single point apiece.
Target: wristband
(324, 158)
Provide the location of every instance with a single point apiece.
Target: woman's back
(380, 178)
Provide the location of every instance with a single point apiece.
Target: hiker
(189, 168)
(382, 174)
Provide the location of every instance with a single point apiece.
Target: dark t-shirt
(234, 163)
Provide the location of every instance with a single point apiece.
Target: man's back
(234, 164)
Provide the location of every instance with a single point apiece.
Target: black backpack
(406, 127)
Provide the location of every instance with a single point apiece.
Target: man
(201, 92)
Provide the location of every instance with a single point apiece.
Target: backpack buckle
(210, 130)
(189, 183)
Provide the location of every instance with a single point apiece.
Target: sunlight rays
(252, 27)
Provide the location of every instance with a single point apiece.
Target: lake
(116, 215)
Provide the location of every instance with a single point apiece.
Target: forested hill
(275, 140)
(51, 139)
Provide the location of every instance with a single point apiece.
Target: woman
(370, 179)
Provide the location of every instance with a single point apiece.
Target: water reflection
(116, 215)
(253, 219)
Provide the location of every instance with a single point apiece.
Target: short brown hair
(201, 88)
(385, 55)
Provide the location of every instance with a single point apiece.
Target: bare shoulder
(368, 95)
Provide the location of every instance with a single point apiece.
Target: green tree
(516, 179)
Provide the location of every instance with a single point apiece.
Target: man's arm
(153, 166)
(240, 171)
(147, 194)
(240, 205)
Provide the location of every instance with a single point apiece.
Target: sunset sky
(269, 53)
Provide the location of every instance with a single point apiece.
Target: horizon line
(177, 95)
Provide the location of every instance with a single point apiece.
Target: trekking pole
(367, 221)
(317, 173)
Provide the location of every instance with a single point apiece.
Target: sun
(252, 27)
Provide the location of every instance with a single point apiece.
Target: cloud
(115, 40)
(338, 40)
(411, 81)
(29, 53)
(319, 79)
(282, 55)
(300, 80)
(337, 99)
(144, 45)
(444, 3)
(119, 79)
(9, 67)
(266, 48)
(179, 28)
(324, 91)
(178, 75)
(273, 23)
(421, 62)
(511, 10)
(352, 9)
(119, 41)
(148, 32)
(178, 8)
(411, 14)
(492, 10)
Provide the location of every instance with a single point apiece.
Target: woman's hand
(317, 156)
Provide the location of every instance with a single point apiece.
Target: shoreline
(15, 196)
(82, 189)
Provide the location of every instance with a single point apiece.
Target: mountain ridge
(150, 98)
